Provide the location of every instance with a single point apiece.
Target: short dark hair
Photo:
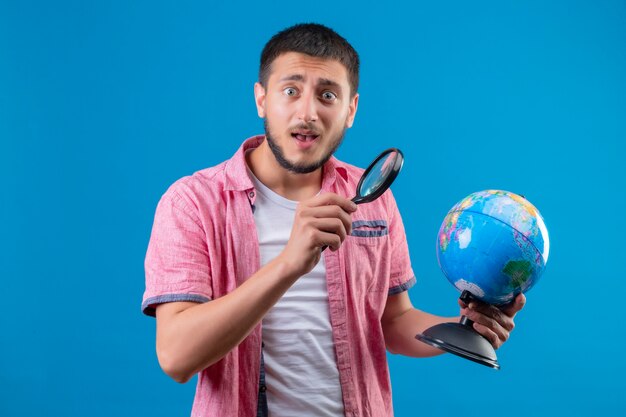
(315, 40)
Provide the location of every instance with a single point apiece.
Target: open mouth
(304, 138)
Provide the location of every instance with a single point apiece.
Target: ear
(259, 98)
(354, 104)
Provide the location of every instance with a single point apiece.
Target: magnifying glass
(378, 176)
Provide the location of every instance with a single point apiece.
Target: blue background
(103, 106)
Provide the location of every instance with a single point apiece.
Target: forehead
(309, 68)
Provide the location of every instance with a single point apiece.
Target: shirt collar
(237, 179)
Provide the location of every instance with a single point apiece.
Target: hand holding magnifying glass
(378, 176)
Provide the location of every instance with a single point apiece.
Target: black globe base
(461, 339)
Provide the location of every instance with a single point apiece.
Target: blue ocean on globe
(494, 244)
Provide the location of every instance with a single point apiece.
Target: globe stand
(461, 339)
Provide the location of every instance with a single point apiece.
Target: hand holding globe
(493, 323)
(492, 246)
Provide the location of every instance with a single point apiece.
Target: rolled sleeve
(177, 262)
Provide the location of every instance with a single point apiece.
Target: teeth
(304, 138)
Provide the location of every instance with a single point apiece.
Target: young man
(243, 294)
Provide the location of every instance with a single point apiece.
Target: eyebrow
(300, 77)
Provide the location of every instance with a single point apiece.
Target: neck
(292, 186)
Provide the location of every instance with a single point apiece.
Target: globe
(494, 244)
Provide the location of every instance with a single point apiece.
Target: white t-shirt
(300, 367)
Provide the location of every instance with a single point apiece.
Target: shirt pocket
(365, 255)
(366, 231)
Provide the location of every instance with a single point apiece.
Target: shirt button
(263, 388)
(251, 194)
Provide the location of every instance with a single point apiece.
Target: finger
(326, 199)
(330, 212)
(490, 323)
(488, 334)
(332, 240)
(330, 226)
(486, 309)
(494, 313)
(517, 304)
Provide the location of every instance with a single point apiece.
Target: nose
(307, 110)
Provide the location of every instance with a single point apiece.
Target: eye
(329, 95)
(290, 91)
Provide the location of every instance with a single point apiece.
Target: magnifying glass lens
(376, 177)
(379, 176)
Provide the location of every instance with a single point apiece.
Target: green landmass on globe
(519, 271)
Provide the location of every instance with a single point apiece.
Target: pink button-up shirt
(204, 245)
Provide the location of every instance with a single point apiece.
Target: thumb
(516, 305)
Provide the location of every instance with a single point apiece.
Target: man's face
(307, 108)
